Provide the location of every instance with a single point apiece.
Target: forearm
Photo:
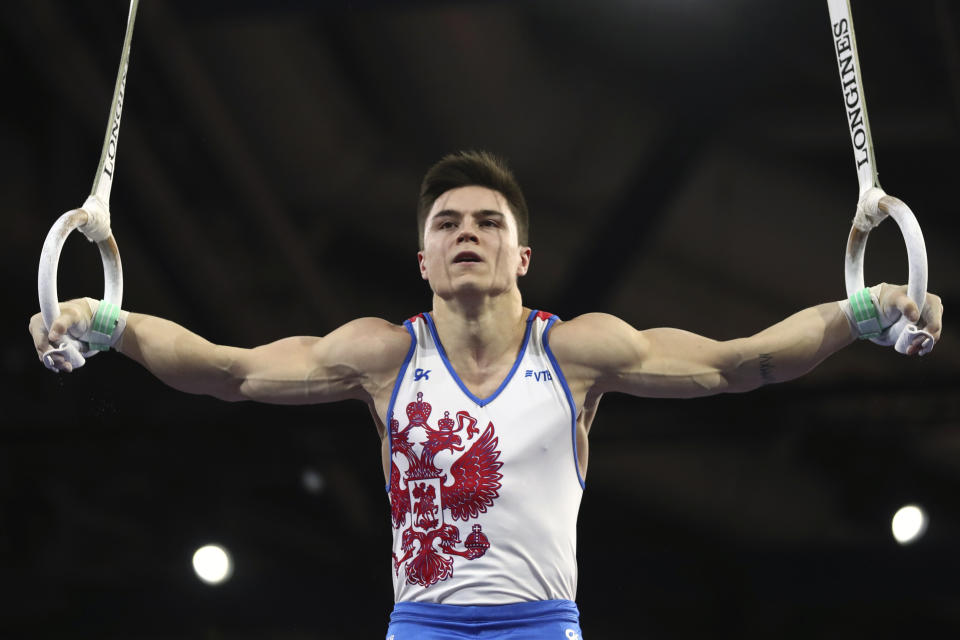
(606, 354)
(787, 349)
(181, 358)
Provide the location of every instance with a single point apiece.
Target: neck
(483, 328)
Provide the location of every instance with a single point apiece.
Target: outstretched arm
(300, 370)
(612, 356)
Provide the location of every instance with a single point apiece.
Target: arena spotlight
(312, 481)
(909, 524)
(212, 564)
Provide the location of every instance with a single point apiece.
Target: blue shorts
(544, 620)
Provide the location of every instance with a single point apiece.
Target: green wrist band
(103, 325)
(865, 314)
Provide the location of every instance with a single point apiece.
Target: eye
(445, 224)
(489, 222)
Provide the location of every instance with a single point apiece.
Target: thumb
(72, 319)
(59, 327)
(907, 307)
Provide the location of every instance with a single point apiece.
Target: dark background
(686, 163)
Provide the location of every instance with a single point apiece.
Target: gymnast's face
(470, 244)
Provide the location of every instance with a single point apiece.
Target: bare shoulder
(349, 362)
(595, 342)
(369, 344)
(377, 330)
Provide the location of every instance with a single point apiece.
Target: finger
(39, 334)
(926, 346)
(913, 347)
(916, 345)
(933, 316)
(61, 363)
(56, 361)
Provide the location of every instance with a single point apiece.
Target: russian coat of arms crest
(425, 495)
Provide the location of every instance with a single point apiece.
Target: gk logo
(572, 635)
(421, 374)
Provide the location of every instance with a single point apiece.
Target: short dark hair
(473, 168)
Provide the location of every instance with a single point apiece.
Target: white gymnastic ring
(50, 260)
(916, 256)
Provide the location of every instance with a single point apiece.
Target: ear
(423, 265)
(524, 266)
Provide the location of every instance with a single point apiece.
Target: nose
(468, 233)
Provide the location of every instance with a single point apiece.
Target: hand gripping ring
(47, 279)
(903, 332)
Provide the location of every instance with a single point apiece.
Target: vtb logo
(538, 375)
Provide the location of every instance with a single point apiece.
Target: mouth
(466, 257)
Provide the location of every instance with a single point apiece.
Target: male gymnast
(483, 406)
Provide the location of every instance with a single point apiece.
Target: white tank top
(484, 493)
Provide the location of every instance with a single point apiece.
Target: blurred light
(313, 481)
(212, 564)
(909, 524)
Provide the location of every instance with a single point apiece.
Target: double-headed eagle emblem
(425, 491)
